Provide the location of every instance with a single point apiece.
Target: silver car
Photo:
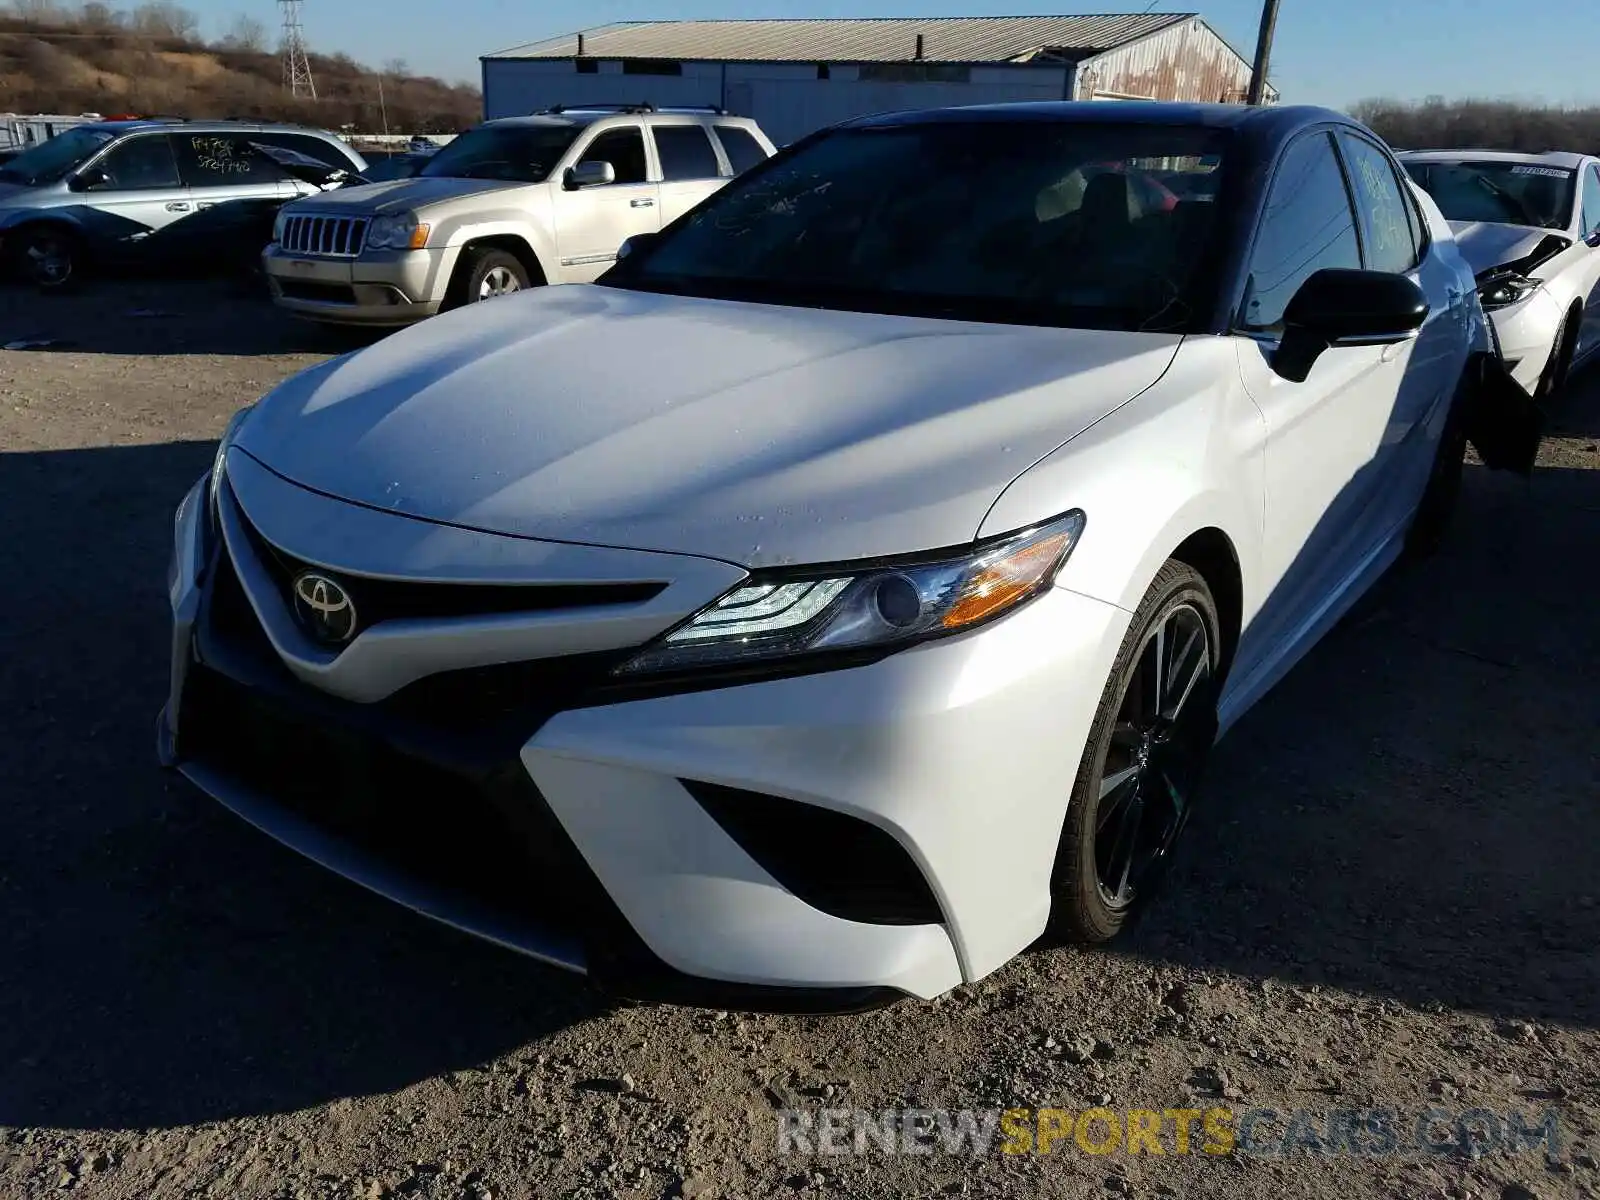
(165, 190)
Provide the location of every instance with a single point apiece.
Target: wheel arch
(513, 244)
(1211, 552)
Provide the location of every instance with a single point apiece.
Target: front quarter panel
(1186, 455)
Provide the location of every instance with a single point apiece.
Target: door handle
(178, 206)
(208, 204)
(641, 203)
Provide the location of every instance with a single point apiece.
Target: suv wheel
(484, 274)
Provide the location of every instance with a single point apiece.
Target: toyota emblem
(324, 609)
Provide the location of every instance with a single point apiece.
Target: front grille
(378, 600)
(320, 293)
(326, 237)
(482, 712)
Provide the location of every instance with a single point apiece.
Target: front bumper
(571, 824)
(379, 288)
(1527, 335)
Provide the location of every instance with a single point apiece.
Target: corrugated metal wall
(788, 100)
(1185, 62)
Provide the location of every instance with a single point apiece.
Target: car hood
(396, 195)
(756, 434)
(1486, 244)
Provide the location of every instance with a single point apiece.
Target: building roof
(944, 39)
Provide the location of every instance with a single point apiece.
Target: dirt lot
(1390, 900)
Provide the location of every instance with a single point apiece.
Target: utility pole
(1258, 76)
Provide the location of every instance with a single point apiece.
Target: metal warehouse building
(796, 76)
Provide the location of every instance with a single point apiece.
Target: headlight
(219, 460)
(397, 231)
(277, 227)
(1505, 290)
(799, 613)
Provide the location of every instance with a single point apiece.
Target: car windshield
(1505, 193)
(1025, 222)
(517, 153)
(50, 160)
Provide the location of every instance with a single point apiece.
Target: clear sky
(1330, 52)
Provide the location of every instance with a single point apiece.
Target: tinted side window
(313, 147)
(623, 149)
(224, 160)
(743, 150)
(685, 152)
(1386, 232)
(1591, 199)
(1307, 225)
(140, 164)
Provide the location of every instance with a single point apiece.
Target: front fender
(457, 231)
(1186, 455)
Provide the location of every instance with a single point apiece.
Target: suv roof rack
(557, 109)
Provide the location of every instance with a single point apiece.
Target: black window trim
(1237, 325)
(1407, 197)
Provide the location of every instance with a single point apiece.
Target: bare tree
(164, 19)
(398, 67)
(246, 33)
(98, 17)
(40, 12)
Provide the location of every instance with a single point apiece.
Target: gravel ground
(1389, 900)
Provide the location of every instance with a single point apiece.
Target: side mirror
(1337, 306)
(90, 178)
(589, 173)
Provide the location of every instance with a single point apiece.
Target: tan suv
(514, 203)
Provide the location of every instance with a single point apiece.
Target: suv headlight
(784, 615)
(1505, 290)
(397, 231)
(277, 227)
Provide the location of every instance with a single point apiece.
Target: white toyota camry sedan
(1529, 226)
(849, 587)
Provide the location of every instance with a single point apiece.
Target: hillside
(96, 59)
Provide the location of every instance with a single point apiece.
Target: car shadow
(118, 315)
(166, 964)
(1414, 813)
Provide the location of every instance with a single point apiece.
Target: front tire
(50, 259)
(1146, 754)
(486, 273)
(1554, 376)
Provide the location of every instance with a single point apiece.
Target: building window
(916, 72)
(651, 66)
(822, 71)
(587, 66)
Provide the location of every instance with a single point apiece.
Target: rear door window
(685, 152)
(743, 151)
(217, 160)
(1387, 238)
